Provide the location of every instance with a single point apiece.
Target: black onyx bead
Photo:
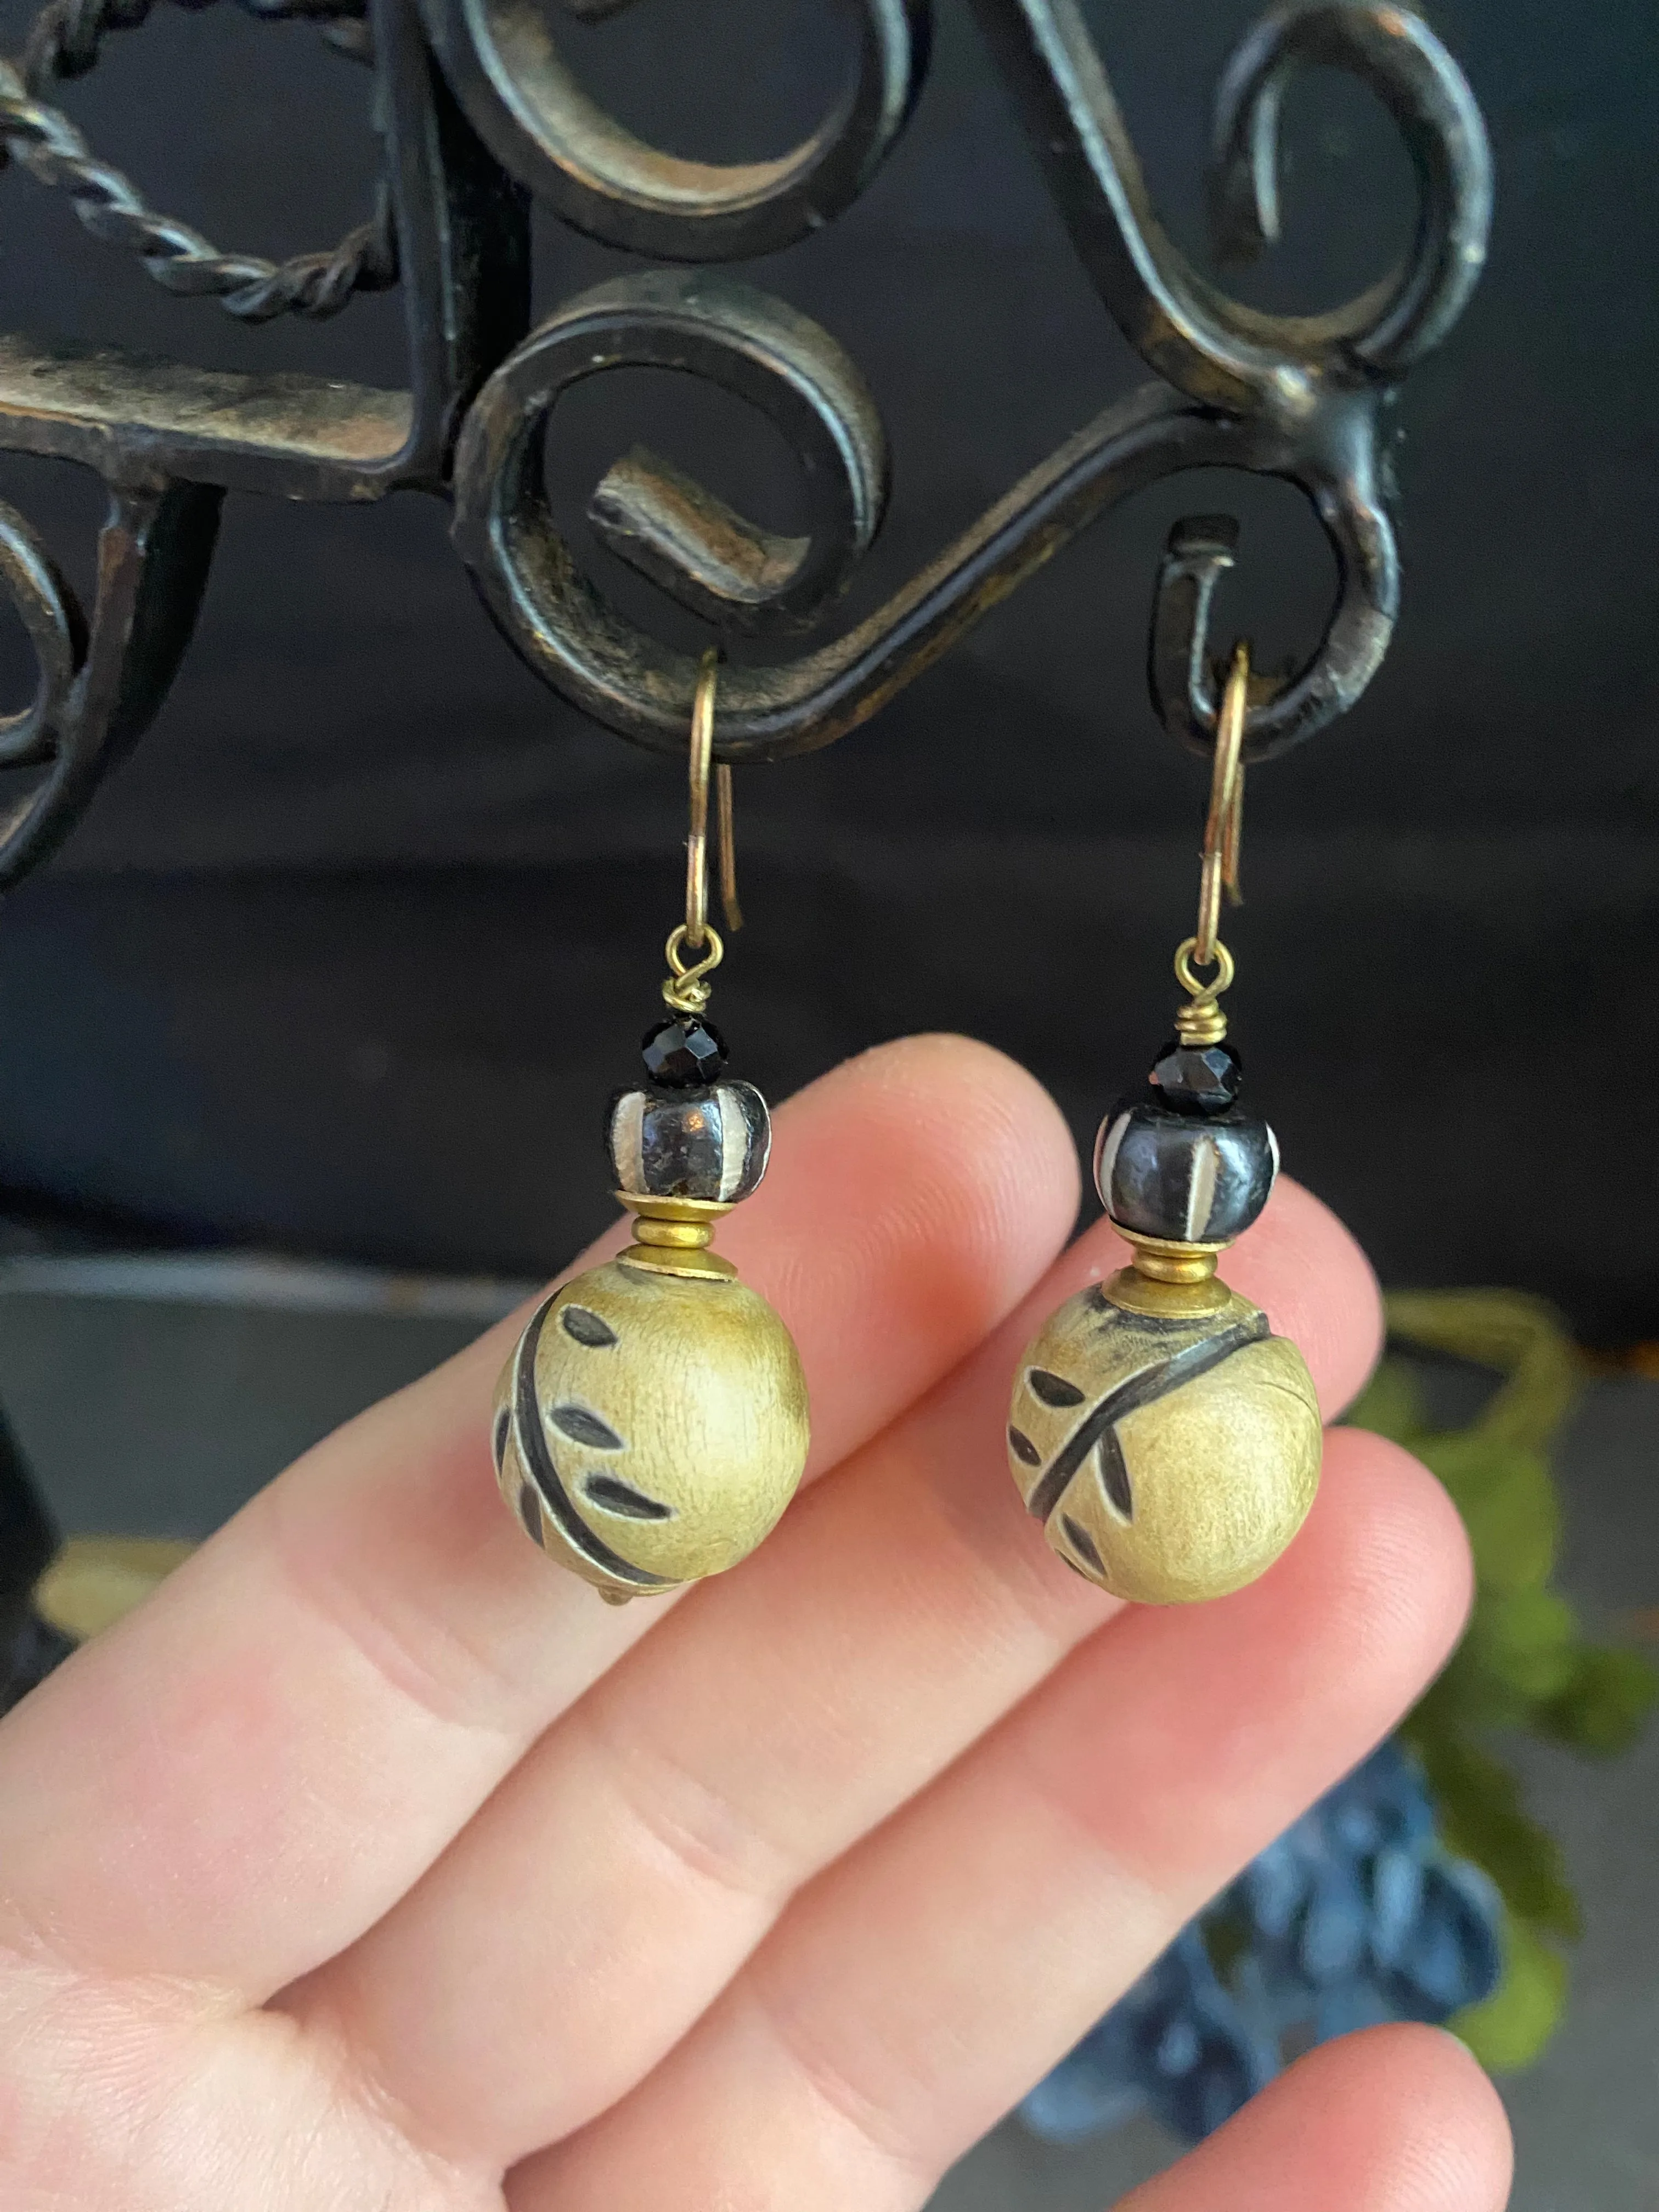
(1196, 1078)
(682, 1051)
(710, 1143)
(1193, 1179)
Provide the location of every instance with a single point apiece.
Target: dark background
(348, 955)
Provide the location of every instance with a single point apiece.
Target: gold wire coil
(1201, 1021)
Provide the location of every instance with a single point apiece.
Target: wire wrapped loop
(686, 990)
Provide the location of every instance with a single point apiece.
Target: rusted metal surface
(481, 114)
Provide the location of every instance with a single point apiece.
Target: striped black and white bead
(1193, 1179)
(710, 1142)
(1169, 1458)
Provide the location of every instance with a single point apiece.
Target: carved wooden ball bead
(1169, 1458)
(650, 1428)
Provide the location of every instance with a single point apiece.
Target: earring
(652, 1425)
(1166, 1439)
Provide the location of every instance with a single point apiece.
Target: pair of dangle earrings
(652, 1424)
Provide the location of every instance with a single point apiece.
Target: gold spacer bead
(671, 1235)
(685, 1235)
(1163, 1260)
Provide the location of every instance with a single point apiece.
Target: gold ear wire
(699, 760)
(687, 989)
(1201, 1020)
(1224, 824)
(728, 847)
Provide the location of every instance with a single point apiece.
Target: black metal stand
(482, 115)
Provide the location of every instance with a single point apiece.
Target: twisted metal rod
(63, 43)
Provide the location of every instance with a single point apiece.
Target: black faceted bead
(1196, 1078)
(709, 1143)
(683, 1051)
(1194, 1179)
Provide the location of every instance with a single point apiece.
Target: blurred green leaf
(1468, 1699)
(1512, 2026)
(1391, 1404)
(1228, 1937)
(1523, 1663)
(1481, 1819)
(1524, 1339)
(1507, 1497)
(1528, 1642)
(1602, 1707)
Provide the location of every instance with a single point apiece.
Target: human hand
(373, 1864)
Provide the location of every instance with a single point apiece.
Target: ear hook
(727, 839)
(1201, 1022)
(1223, 825)
(699, 756)
(687, 990)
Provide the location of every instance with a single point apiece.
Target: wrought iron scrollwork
(481, 113)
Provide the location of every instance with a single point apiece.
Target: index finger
(246, 1773)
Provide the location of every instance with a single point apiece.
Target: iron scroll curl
(1301, 398)
(1186, 328)
(98, 684)
(45, 603)
(528, 104)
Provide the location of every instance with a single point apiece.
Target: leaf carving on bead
(586, 1327)
(604, 1490)
(1114, 1475)
(583, 1427)
(530, 1512)
(1083, 1543)
(1053, 1390)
